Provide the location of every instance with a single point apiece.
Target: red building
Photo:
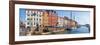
(52, 18)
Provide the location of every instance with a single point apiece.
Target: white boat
(46, 33)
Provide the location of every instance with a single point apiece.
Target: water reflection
(82, 29)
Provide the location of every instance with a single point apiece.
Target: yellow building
(45, 18)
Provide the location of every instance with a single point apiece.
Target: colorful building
(66, 21)
(52, 18)
(71, 24)
(60, 21)
(33, 17)
(45, 18)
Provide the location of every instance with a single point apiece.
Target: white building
(60, 21)
(33, 18)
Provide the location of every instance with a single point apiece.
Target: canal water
(82, 29)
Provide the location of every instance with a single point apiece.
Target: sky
(22, 13)
(82, 17)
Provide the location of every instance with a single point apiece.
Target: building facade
(60, 21)
(33, 18)
(45, 18)
(52, 18)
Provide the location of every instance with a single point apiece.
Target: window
(34, 19)
(28, 19)
(33, 14)
(28, 14)
(27, 23)
(34, 23)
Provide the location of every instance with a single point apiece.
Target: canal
(82, 29)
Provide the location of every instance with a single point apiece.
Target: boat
(46, 33)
